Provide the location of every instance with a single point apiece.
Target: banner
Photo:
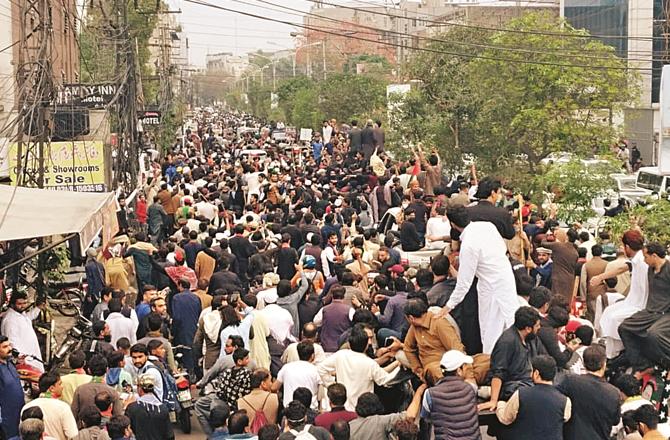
(305, 134)
(86, 95)
(68, 166)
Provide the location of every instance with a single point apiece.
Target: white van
(651, 179)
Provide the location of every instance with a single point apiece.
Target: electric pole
(35, 91)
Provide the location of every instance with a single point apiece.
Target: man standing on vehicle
(17, 325)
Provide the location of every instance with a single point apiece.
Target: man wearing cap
(536, 412)
(149, 417)
(542, 272)
(451, 404)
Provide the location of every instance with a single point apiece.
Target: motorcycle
(184, 395)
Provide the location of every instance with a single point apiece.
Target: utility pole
(323, 54)
(126, 169)
(35, 91)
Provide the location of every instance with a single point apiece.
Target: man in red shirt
(337, 396)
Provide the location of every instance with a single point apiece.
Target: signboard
(274, 101)
(69, 166)
(305, 134)
(664, 144)
(150, 118)
(86, 95)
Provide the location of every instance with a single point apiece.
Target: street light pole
(323, 53)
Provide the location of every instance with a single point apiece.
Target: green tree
(575, 185)
(384, 65)
(561, 103)
(306, 112)
(287, 89)
(442, 107)
(651, 218)
(343, 96)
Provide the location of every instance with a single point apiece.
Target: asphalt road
(196, 432)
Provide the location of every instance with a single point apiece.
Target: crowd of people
(267, 277)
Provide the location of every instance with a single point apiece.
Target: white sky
(210, 30)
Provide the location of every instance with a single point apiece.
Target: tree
(287, 89)
(575, 184)
(382, 64)
(343, 96)
(441, 110)
(561, 103)
(306, 112)
(650, 218)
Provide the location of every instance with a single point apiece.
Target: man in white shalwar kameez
(483, 255)
(17, 325)
(636, 300)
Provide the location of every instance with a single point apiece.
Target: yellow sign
(68, 166)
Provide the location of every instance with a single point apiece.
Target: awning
(29, 212)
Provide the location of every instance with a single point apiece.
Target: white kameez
(636, 300)
(483, 255)
(18, 327)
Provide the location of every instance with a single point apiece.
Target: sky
(211, 31)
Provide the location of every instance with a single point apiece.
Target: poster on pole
(274, 101)
(305, 134)
(664, 144)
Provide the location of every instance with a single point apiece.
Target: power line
(442, 40)
(493, 29)
(424, 49)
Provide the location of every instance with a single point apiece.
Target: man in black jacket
(596, 405)
(512, 354)
(409, 236)
(536, 412)
(224, 279)
(242, 248)
(488, 193)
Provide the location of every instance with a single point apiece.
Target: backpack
(304, 434)
(169, 390)
(259, 419)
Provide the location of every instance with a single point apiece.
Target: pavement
(196, 432)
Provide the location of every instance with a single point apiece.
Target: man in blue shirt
(317, 148)
(11, 392)
(144, 308)
(186, 308)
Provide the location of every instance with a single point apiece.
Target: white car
(418, 259)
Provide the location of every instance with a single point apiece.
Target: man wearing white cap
(451, 405)
(542, 272)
